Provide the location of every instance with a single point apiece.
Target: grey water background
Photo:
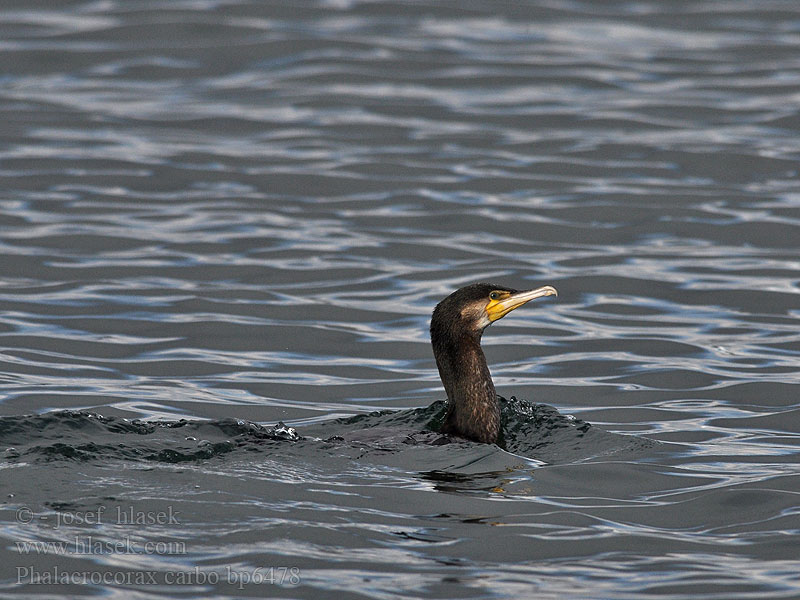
(235, 213)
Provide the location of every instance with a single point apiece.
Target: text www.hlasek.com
(31, 575)
(92, 545)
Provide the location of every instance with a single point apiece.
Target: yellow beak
(497, 309)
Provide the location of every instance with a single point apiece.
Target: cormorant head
(474, 307)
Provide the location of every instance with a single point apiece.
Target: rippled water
(218, 216)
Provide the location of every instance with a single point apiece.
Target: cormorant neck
(473, 410)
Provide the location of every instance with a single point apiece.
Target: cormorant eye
(494, 295)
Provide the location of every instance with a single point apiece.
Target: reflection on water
(244, 212)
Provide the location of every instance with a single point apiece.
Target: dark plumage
(458, 321)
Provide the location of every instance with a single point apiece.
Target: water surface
(219, 216)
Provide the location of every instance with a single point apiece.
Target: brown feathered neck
(457, 325)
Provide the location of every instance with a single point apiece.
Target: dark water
(219, 216)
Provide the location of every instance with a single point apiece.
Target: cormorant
(458, 321)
